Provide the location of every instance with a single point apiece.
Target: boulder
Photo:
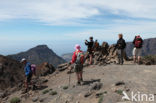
(103, 56)
(35, 99)
(45, 69)
(96, 86)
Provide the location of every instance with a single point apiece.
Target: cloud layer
(59, 12)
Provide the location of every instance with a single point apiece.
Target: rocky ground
(102, 84)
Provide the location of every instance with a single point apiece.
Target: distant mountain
(38, 55)
(67, 56)
(149, 47)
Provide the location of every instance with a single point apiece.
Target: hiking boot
(81, 79)
(78, 83)
(82, 83)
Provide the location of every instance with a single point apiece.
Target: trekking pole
(69, 78)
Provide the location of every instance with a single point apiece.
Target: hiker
(90, 45)
(96, 45)
(77, 61)
(121, 45)
(28, 73)
(138, 43)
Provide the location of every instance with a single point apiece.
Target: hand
(69, 64)
(69, 70)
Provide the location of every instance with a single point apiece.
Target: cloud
(145, 29)
(66, 12)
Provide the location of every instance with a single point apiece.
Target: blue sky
(63, 23)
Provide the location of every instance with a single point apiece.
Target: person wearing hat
(90, 45)
(77, 61)
(28, 73)
(121, 45)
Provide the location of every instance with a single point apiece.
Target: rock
(42, 99)
(67, 101)
(45, 69)
(1, 68)
(62, 65)
(35, 99)
(99, 94)
(44, 80)
(147, 63)
(25, 96)
(63, 68)
(77, 102)
(96, 86)
(119, 83)
(87, 94)
(103, 56)
(2, 94)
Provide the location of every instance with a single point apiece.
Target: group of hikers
(78, 57)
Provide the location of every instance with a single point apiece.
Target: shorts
(78, 68)
(29, 78)
(90, 51)
(137, 52)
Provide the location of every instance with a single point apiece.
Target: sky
(61, 24)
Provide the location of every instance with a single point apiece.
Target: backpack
(80, 57)
(33, 68)
(138, 42)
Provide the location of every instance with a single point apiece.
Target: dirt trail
(135, 78)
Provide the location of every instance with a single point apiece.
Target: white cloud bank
(59, 12)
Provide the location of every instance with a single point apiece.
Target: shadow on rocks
(91, 81)
(41, 87)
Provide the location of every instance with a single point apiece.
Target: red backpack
(138, 42)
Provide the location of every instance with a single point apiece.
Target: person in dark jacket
(90, 45)
(121, 45)
(138, 43)
(28, 73)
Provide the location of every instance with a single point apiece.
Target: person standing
(96, 45)
(121, 45)
(77, 61)
(28, 73)
(90, 45)
(138, 43)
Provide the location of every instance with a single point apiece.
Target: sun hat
(23, 59)
(77, 47)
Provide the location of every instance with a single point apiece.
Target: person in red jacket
(77, 61)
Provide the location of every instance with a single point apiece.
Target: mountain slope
(11, 72)
(38, 55)
(67, 56)
(114, 79)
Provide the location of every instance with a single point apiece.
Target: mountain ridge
(38, 55)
